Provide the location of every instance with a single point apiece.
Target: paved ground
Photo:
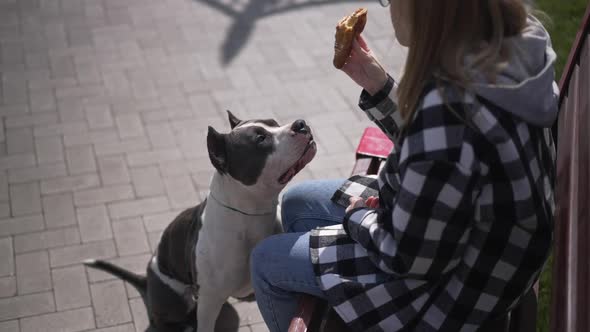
(104, 107)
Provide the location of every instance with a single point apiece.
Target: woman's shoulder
(442, 105)
(440, 128)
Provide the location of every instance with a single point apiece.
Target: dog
(203, 256)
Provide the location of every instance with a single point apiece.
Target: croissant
(347, 30)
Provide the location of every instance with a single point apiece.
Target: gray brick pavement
(104, 108)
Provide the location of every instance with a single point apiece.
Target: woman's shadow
(245, 19)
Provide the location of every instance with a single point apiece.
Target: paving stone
(26, 305)
(138, 207)
(113, 170)
(99, 116)
(101, 136)
(110, 303)
(17, 161)
(49, 150)
(70, 287)
(4, 186)
(69, 183)
(7, 288)
(161, 135)
(4, 210)
(260, 327)
(94, 223)
(64, 321)
(130, 237)
(118, 328)
(30, 120)
(146, 158)
(68, 128)
(119, 147)
(80, 160)
(59, 210)
(159, 221)
(154, 239)
(42, 101)
(103, 195)
(25, 199)
(181, 192)
(19, 225)
(19, 140)
(147, 181)
(44, 172)
(14, 109)
(140, 318)
(73, 255)
(6, 257)
(9, 326)
(60, 237)
(32, 272)
(248, 312)
(129, 126)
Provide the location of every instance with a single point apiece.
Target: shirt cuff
(353, 220)
(367, 101)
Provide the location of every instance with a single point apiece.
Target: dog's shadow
(228, 320)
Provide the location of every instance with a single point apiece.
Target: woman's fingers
(357, 48)
(372, 202)
(355, 202)
(363, 44)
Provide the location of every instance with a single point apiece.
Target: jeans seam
(272, 311)
(313, 216)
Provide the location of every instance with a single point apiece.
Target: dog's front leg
(208, 308)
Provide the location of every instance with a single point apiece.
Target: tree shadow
(245, 18)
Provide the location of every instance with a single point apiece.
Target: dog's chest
(234, 229)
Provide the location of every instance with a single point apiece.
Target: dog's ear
(233, 121)
(216, 148)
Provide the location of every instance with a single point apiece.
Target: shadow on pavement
(245, 14)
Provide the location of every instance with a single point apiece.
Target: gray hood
(526, 87)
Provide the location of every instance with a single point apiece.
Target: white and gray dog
(203, 255)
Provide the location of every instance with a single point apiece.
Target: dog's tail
(136, 280)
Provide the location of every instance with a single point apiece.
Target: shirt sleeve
(423, 233)
(429, 223)
(382, 109)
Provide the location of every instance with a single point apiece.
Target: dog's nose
(299, 126)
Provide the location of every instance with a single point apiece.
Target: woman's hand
(357, 202)
(364, 68)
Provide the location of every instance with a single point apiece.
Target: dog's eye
(260, 138)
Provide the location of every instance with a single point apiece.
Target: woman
(462, 222)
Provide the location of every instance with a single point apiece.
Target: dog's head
(261, 153)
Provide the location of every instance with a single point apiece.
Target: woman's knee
(310, 200)
(293, 202)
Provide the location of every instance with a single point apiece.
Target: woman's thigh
(308, 205)
(283, 261)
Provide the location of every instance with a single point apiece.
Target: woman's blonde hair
(444, 32)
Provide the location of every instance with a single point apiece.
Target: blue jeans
(281, 265)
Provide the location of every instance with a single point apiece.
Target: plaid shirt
(464, 224)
